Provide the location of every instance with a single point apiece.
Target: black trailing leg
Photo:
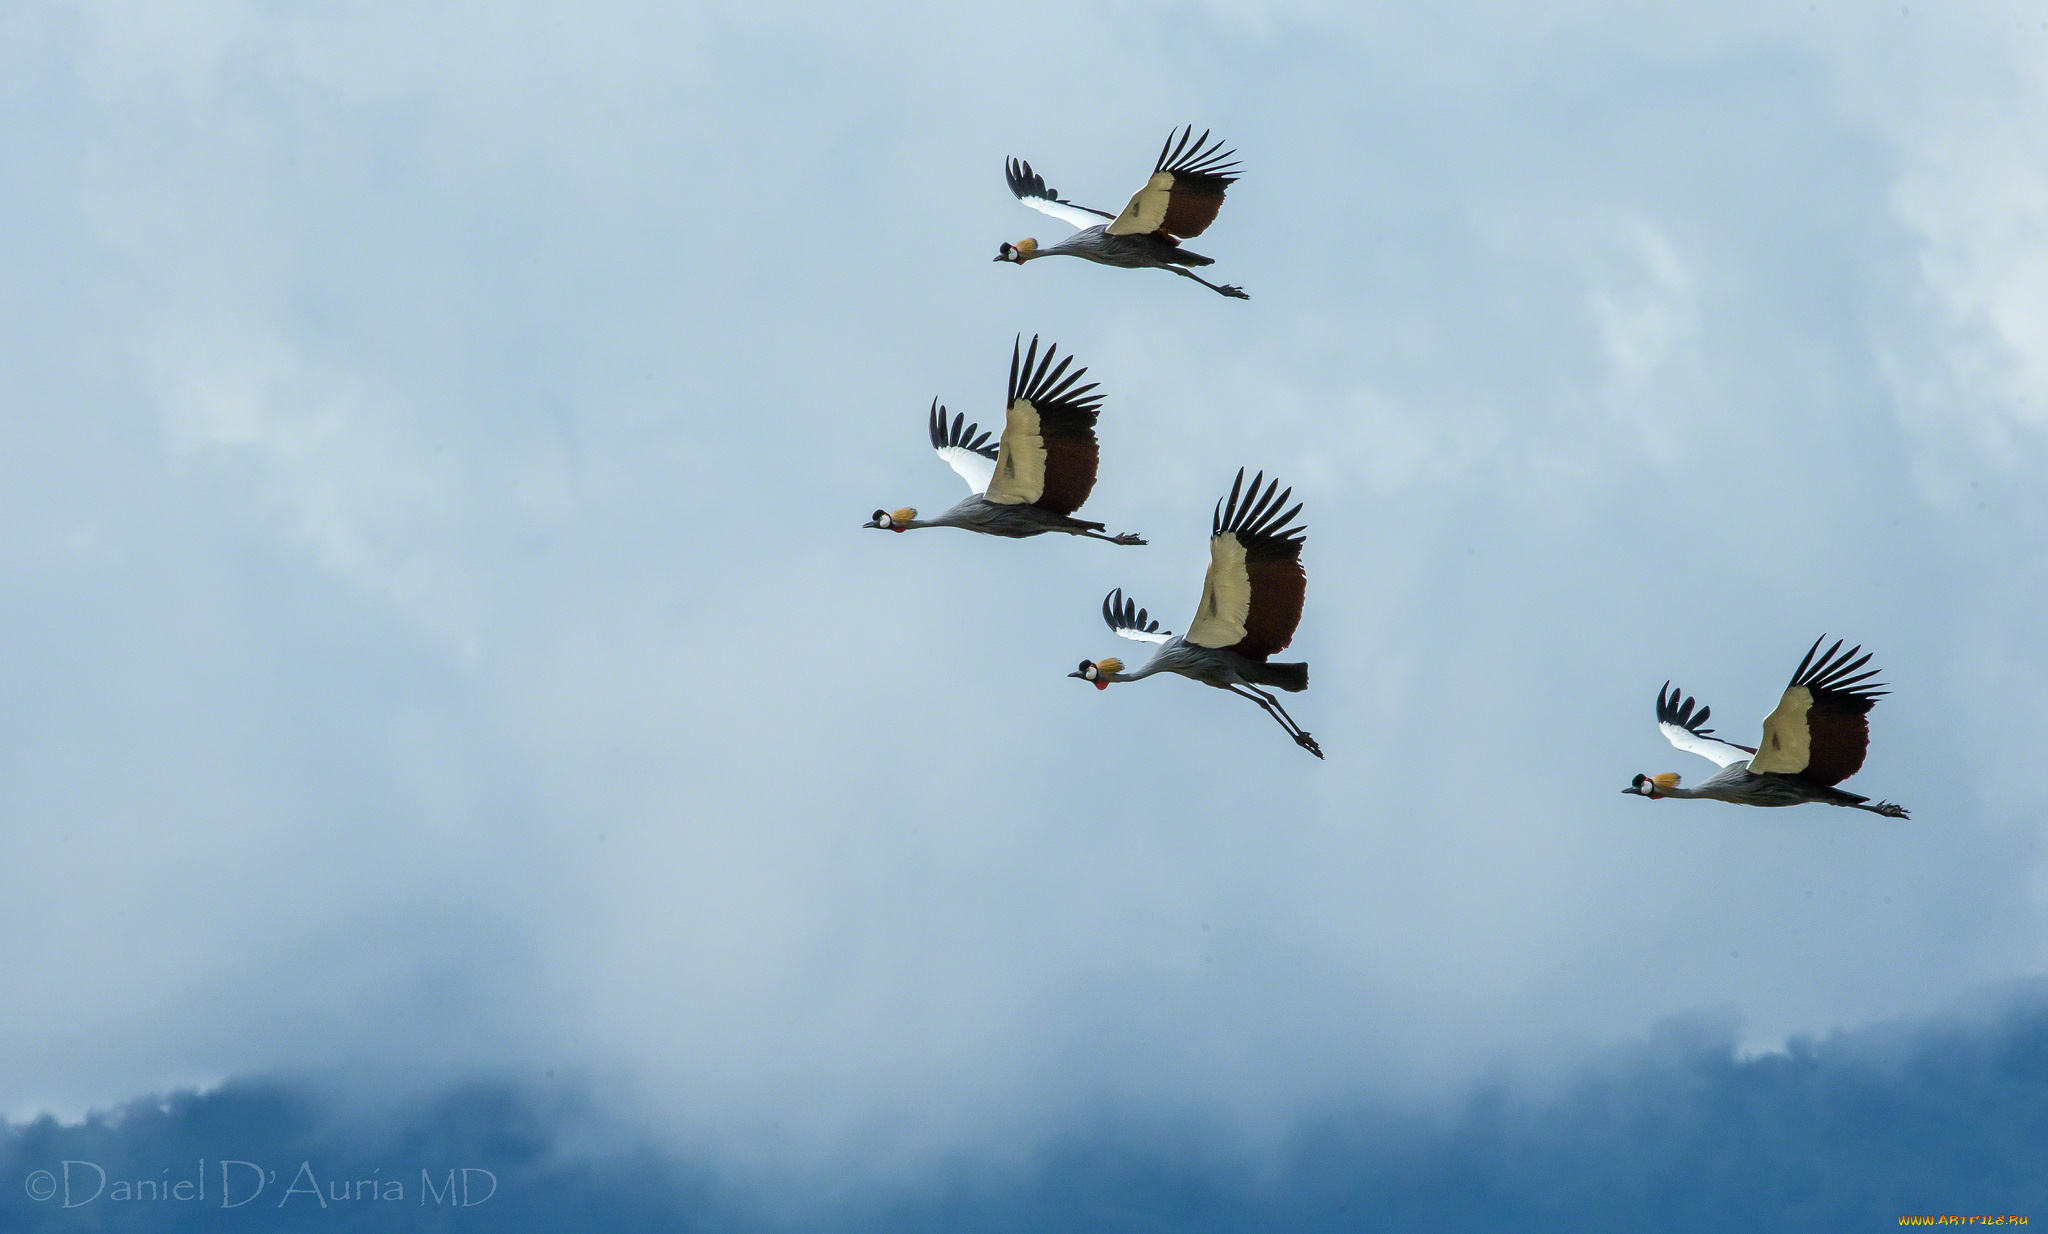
(1127, 537)
(1887, 809)
(1279, 714)
(1301, 736)
(1235, 293)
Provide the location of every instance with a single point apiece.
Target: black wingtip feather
(958, 432)
(1834, 672)
(1252, 513)
(1044, 384)
(1196, 156)
(1025, 182)
(1122, 614)
(1671, 710)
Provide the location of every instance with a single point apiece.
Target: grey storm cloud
(442, 640)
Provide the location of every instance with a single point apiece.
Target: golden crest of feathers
(1027, 246)
(1666, 780)
(1108, 665)
(904, 515)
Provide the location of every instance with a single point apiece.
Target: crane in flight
(1251, 603)
(1178, 203)
(1814, 740)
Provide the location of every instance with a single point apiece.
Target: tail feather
(1290, 677)
(1181, 257)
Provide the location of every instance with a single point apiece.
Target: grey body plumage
(977, 513)
(1737, 784)
(1215, 666)
(1139, 252)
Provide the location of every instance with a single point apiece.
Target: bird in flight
(1038, 473)
(1813, 741)
(1178, 203)
(1251, 603)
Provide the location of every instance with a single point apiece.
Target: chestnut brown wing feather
(1070, 461)
(1279, 585)
(1840, 737)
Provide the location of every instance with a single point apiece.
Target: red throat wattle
(1101, 683)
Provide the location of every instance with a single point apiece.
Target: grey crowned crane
(1178, 203)
(1813, 741)
(1251, 603)
(1041, 469)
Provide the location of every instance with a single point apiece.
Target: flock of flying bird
(1033, 477)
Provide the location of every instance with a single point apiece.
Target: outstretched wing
(1030, 189)
(1821, 727)
(1185, 191)
(965, 447)
(1126, 618)
(1251, 599)
(1047, 457)
(1687, 729)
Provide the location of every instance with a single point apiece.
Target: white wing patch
(1788, 743)
(1072, 216)
(974, 468)
(1140, 636)
(1720, 753)
(1019, 473)
(1147, 208)
(1226, 596)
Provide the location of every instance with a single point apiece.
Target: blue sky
(435, 447)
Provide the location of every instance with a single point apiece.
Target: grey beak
(1000, 257)
(1082, 676)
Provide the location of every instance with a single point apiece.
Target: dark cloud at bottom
(1676, 1133)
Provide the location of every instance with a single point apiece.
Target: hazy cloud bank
(1676, 1132)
